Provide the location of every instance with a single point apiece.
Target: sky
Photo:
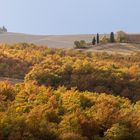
(50, 17)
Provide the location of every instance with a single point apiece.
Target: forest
(68, 94)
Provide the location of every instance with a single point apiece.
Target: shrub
(122, 37)
(80, 44)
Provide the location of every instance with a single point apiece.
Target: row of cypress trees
(97, 38)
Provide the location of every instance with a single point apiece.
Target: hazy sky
(70, 16)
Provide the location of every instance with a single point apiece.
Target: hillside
(66, 41)
(67, 94)
(53, 41)
(121, 48)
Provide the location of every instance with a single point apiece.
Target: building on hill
(127, 38)
(3, 30)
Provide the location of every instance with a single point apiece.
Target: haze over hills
(66, 41)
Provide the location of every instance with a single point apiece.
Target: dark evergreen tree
(93, 41)
(4, 29)
(98, 38)
(112, 37)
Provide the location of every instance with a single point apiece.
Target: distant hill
(67, 41)
(53, 41)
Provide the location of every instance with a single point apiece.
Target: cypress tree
(112, 37)
(93, 41)
(98, 38)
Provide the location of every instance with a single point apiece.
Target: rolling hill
(53, 41)
(66, 41)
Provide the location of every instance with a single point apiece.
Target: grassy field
(119, 48)
(53, 41)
